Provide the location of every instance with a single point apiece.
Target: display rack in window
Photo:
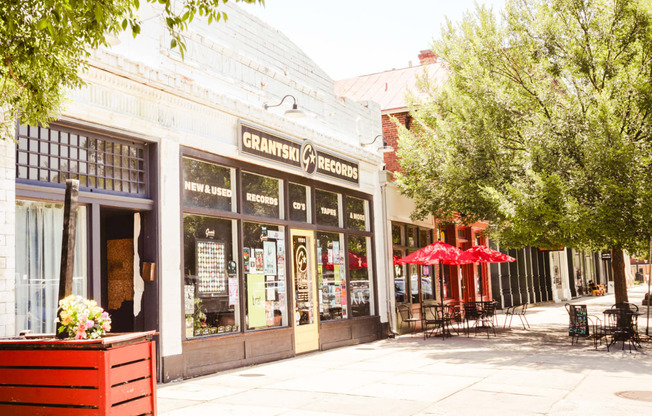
(211, 268)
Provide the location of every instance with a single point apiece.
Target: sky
(348, 38)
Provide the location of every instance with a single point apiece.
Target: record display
(211, 267)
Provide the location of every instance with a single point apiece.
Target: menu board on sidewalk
(579, 322)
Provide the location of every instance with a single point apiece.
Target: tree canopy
(44, 45)
(543, 126)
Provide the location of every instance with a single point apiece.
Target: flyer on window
(259, 260)
(280, 258)
(256, 300)
(234, 292)
(269, 257)
(246, 257)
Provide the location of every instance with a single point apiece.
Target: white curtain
(39, 232)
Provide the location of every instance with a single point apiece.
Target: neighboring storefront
(116, 224)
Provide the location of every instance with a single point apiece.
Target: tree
(45, 43)
(543, 127)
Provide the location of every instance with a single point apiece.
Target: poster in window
(256, 300)
(259, 260)
(189, 297)
(269, 257)
(252, 260)
(234, 291)
(246, 255)
(280, 258)
(211, 267)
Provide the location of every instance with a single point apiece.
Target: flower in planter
(82, 319)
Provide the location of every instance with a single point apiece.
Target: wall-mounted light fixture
(384, 148)
(294, 112)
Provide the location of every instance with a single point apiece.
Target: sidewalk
(519, 372)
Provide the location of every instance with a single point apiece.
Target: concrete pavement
(519, 372)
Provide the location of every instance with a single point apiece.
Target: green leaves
(45, 44)
(543, 126)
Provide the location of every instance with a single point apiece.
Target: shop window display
(261, 196)
(211, 287)
(360, 284)
(331, 274)
(328, 208)
(299, 202)
(264, 264)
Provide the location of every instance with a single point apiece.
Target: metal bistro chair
(488, 316)
(405, 312)
(620, 325)
(518, 310)
(433, 320)
(471, 313)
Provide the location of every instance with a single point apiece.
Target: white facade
(142, 89)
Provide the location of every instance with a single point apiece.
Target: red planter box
(115, 375)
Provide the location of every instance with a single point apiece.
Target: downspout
(388, 254)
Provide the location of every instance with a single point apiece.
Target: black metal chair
(488, 316)
(405, 313)
(433, 321)
(518, 310)
(471, 313)
(620, 325)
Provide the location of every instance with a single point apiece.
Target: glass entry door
(304, 288)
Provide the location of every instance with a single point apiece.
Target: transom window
(51, 155)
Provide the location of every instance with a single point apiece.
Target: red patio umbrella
(439, 253)
(484, 254)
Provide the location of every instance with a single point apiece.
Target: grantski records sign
(302, 155)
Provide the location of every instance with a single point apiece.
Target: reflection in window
(207, 185)
(299, 202)
(414, 282)
(399, 278)
(361, 295)
(356, 214)
(331, 273)
(396, 235)
(211, 288)
(328, 208)
(412, 236)
(427, 288)
(261, 195)
(424, 237)
(264, 267)
(39, 236)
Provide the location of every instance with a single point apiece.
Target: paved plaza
(519, 372)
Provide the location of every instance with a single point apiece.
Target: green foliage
(44, 45)
(543, 127)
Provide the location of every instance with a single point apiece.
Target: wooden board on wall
(120, 269)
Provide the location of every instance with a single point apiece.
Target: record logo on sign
(308, 158)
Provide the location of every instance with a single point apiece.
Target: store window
(425, 237)
(207, 185)
(397, 235)
(361, 290)
(412, 236)
(357, 214)
(211, 288)
(328, 208)
(39, 236)
(261, 195)
(331, 273)
(414, 282)
(399, 278)
(264, 262)
(299, 202)
(427, 288)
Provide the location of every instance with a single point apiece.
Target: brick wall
(7, 237)
(391, 135)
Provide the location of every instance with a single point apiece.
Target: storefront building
(240, 235)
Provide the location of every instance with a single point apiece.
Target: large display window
(211, 288)
(359, 272)
(331, 275)
(236, 255)
(264, 263)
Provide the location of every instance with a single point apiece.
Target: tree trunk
(620, 280)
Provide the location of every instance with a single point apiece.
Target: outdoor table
(622, 324)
